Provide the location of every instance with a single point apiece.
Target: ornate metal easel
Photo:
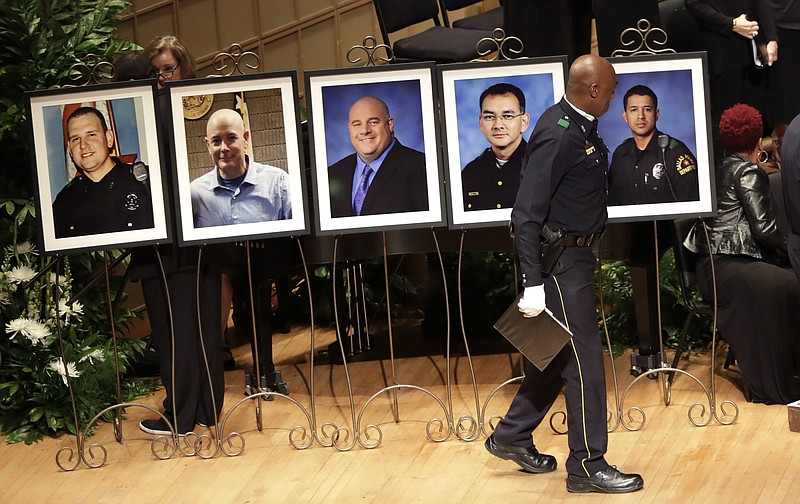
(647, 40)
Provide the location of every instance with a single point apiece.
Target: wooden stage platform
(754, 460)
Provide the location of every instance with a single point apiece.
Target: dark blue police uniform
(563, 187)
(119, 202)
(486, 185)
(652, 176)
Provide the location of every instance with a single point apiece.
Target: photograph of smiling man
(237, 189)
(382, 175)
(651, 166)
(106, 194)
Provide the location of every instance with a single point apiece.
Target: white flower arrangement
(20, 274)
(35, 331)
(97, 355)
(23, 248)
(58, 367)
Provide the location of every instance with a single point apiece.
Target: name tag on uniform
(590, 149)
(473, 193)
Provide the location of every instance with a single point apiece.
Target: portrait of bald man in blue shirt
(237, 190)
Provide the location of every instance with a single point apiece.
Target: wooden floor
(754, 460)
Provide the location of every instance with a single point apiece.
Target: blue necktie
(358, 201)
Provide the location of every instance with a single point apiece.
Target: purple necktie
(358, 201)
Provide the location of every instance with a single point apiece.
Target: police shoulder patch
(685, 163)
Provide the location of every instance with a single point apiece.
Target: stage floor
(754, 460)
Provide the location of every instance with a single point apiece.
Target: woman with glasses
(171, 59)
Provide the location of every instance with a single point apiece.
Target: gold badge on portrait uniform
(195, 107)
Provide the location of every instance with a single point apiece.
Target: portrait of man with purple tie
(382, 176)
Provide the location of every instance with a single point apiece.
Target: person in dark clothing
(790, 182)
(491, 180)
(784, 93)
(756, 296)
(730, 31)
(182, 291)
(563, 189)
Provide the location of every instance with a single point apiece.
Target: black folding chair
(685, 261)
(486, 21)
(439, 43)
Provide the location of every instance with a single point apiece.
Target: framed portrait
(658, 131)
(238, 162)
(374, 149)
(98, 169)
(489, 111)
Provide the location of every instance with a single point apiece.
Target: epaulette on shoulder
(563, 122)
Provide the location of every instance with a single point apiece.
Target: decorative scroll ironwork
(236, 57)
(434, 424)
(370, 47)
(645, 39)
(467, 428)
(92, 70)
(726, 417)
(504, 47)
(482, 415)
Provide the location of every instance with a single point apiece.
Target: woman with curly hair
(757, 295)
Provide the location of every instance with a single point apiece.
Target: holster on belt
(553, 245)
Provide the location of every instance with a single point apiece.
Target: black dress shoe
(610, 481)
(529, 459)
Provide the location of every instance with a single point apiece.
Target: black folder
(538, 338)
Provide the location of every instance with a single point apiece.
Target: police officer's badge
(685, 163)
(658, 171)
(131, 202)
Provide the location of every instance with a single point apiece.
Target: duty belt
(581, 240)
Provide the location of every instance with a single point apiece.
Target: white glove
(532, 301)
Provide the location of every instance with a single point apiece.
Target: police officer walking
(563, 188)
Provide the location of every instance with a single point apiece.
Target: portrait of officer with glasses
(491, 180)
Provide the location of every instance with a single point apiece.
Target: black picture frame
(542, 82)
(129, 110)
(274, 139)
(680, 81)
(409, 92)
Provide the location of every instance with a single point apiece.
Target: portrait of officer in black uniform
(105, 195)
(650, 167)
(491, 180)
(559, 213)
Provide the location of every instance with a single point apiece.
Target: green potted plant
(41, 41)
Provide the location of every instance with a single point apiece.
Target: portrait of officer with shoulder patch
(106, 195)
(651, 166)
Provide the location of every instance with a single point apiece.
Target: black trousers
(794, 252)
(570, 296)
(192, 392)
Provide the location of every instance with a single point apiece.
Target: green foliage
(620, 318)
(34, 399)
(487, 285)
(41, 41)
